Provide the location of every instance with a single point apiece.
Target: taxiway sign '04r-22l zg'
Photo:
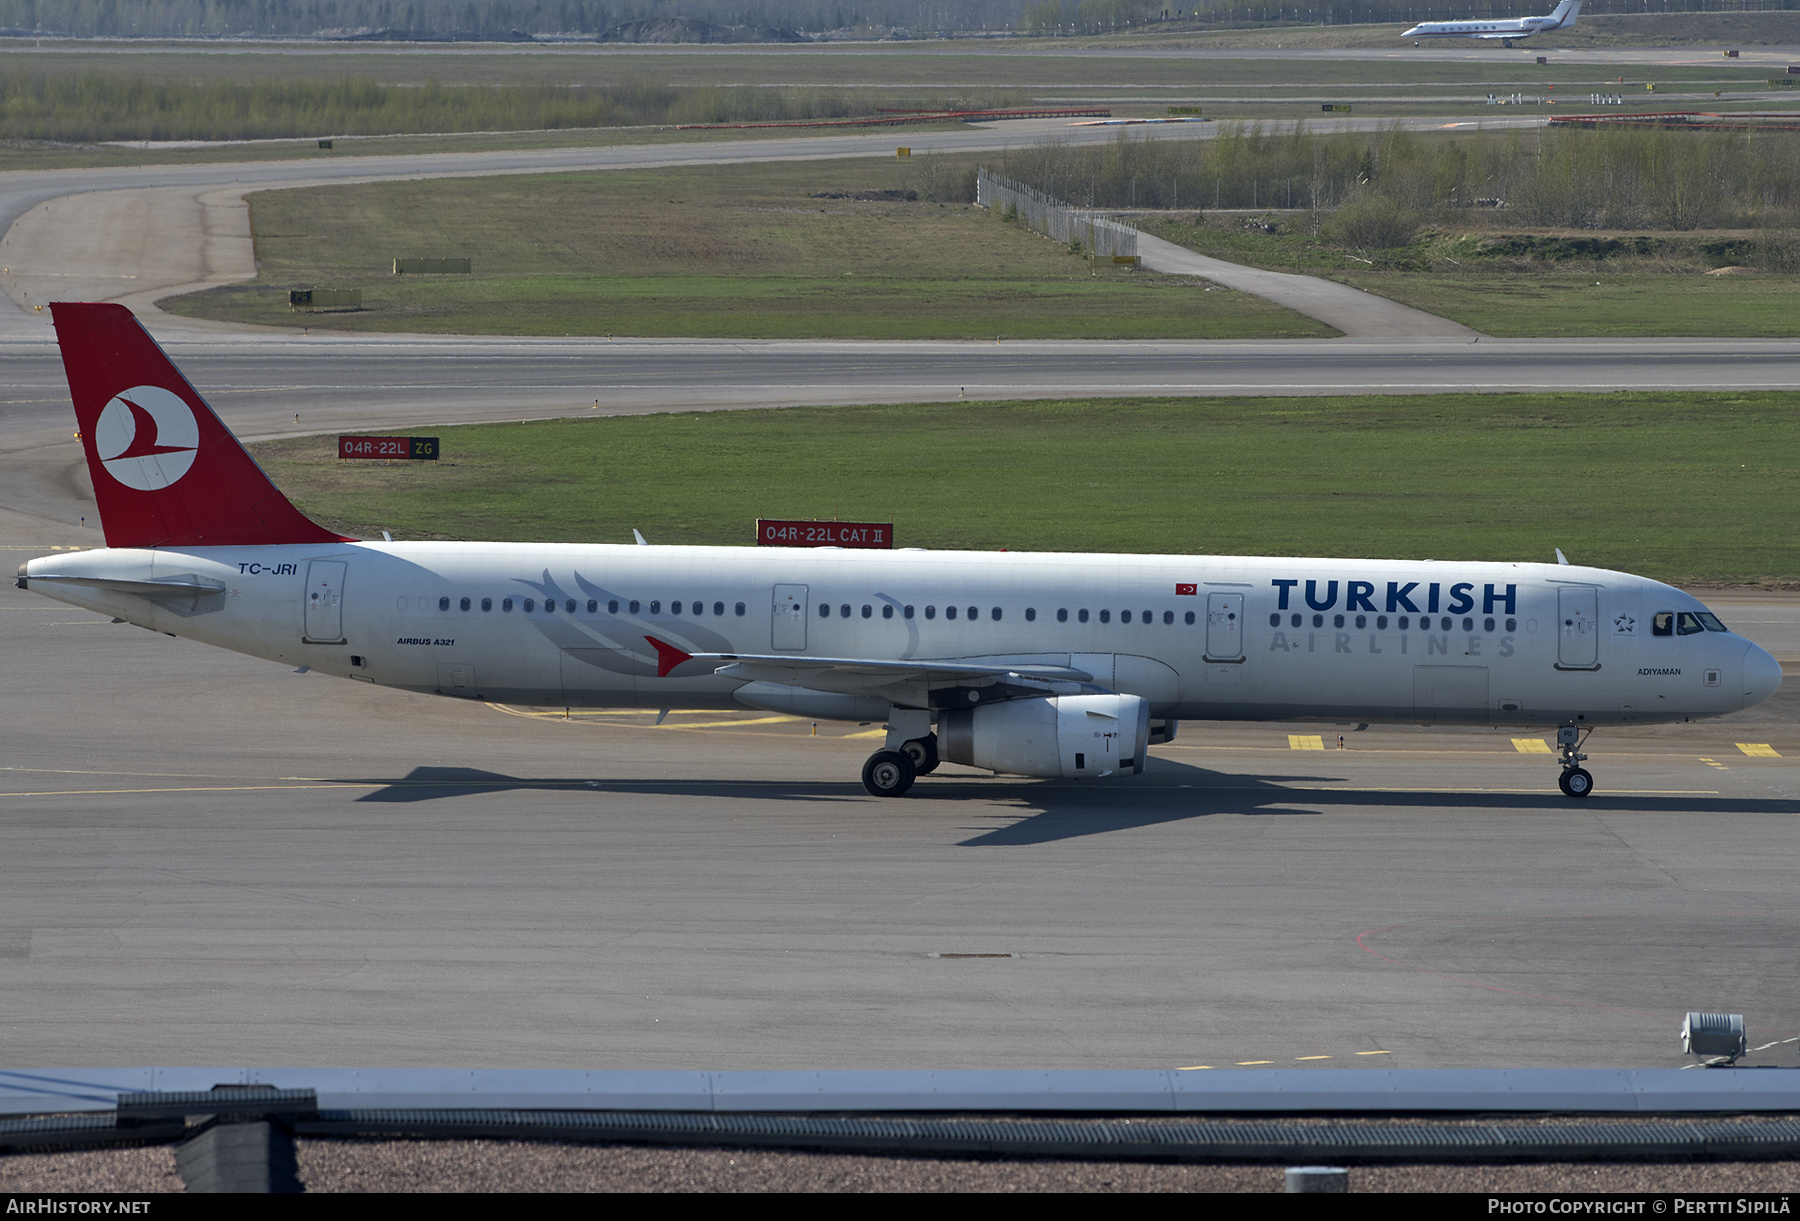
(1505, 31)
(1055, 665)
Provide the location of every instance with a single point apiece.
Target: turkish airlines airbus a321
(1056, 665)
(1505, 31)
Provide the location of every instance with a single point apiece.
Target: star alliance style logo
(1624, 625)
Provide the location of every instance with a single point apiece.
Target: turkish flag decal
(1185, 590)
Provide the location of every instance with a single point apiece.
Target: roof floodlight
(1713, 1034)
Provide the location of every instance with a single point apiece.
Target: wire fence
(1054, 219)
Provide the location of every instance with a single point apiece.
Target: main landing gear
(889, 773)
(1575, 780)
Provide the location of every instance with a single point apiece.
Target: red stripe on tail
(166, 470)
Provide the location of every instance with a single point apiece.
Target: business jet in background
(1034, 664)
(1506, 31)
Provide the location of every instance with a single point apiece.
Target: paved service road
(135, 234)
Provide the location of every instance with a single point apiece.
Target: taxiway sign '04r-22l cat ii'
(1506, 31)
(1056, 665)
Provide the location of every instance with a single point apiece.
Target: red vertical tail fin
(166, 470)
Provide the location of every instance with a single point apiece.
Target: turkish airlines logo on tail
(147, 438)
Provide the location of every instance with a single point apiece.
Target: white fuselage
(1258, 638)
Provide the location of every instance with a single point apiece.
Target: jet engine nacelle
(1067, 736)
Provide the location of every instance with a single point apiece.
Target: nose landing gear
(1575, 780)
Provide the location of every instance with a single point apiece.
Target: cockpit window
(1712, 622)
(1688, 624)
(1662, 623)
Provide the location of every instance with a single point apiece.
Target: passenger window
(1447, 623)
(1275, 619)
(549, 606)
(887, 612)
(1468, 625)
(1662, 623)
(1487, 625)
(844, 610)
(740, 608)
(443, 604)
(1381, 623)
(634, 606)
(949, 612)
(1168, 617)
(1337, 621)
(1688, 623)
(974, 612)
(612, 607)
(931, 612)
(868, 611)
(1106, 616)
(824, 611)
(719, 608)
(1404, 623)
(1190, 618)
(908, 612)
(674, 608)
(1081, 615)
(1295, 623)
(530, 605)
(1124, 616)
(1362, 621)
(1062, 614)
(593, 606)
(1512, 625)
(487, 604)
(465, 604)
(1318, 620)
(1031, 614)
(506, 604)
(996, 614)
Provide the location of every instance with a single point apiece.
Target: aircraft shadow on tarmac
(1023, 811)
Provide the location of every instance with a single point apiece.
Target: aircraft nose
(1762, 676)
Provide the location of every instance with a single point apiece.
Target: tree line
(95, 107)
(504, 19)
(1393, 181)
(500, 19)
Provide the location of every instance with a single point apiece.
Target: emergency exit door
(789, 631)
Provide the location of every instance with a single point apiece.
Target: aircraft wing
(852, 673)
(1514, 34)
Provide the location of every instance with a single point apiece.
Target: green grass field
(1664, 296)
(1697, 489)
(736, 251)
(1527, 305)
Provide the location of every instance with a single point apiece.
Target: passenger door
(1224, 627)
(1578, 628)
(325, 602)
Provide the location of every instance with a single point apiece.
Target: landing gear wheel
(888, 773)
(1575, 782)
(923, 752)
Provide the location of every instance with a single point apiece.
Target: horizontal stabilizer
(160, 587)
